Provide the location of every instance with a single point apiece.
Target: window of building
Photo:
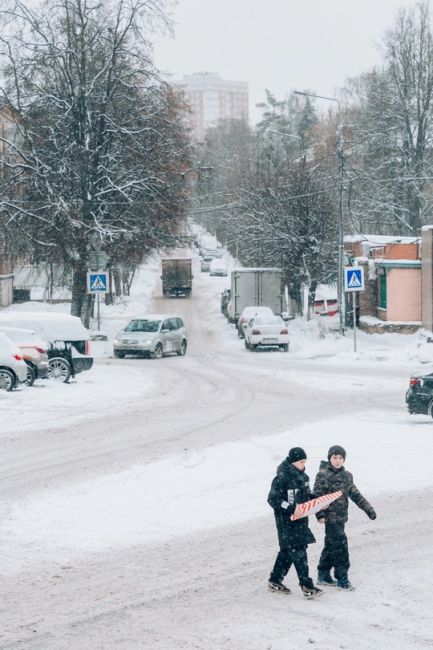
(382, 289)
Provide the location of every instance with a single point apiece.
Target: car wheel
(157, 354)
(118, 355)
(59, 370)
(182, 350)
(252, 347)
(285, 348)
(31, 376)
(7, 379)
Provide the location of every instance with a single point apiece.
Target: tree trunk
(81, 301)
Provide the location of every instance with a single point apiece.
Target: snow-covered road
(133, 503)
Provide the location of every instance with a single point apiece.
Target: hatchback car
(13, 369)
(153, 335)
(248, 313)
(419, 397)
(265, 332)
(33, 349)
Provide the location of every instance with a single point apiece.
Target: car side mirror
(164, 331)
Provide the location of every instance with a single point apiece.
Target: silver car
(153, 335)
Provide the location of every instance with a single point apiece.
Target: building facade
(212, 99)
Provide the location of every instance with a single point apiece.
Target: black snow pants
(285, 558)
(335, 554)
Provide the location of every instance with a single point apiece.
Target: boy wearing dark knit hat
(332, 476)
(290, 487)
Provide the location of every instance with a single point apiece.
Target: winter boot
(325, 578)
(311, 592)
(278, 587)
(344, 583)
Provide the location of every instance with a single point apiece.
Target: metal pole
(98, 312)
(342, 296)
(354, 319)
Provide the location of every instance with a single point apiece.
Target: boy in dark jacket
(290, 487)
(332, 476)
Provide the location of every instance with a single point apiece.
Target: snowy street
(133, 506)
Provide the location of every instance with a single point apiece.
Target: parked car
(419, 397)
(266, 331)
(205, 263)
(218, 266)
(33, 349)
(68, 340)
(248, 313)
(152, 335)
(213, 252)
(13, 369)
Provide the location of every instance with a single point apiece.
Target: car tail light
(18, 357)
(284, 332)
(414, 381)
(41, 350)
(86, 347)
(256, 332)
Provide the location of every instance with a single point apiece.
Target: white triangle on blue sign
(97, 284)
(354, 280)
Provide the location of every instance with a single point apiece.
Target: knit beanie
(295, 454)
(336, 450)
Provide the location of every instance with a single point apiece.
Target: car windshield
(143, 325)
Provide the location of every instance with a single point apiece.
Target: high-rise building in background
(212, 99)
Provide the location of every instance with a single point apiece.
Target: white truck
(255, 287)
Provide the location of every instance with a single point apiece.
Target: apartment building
(212, 99)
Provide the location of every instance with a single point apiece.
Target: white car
(250, 312)
(13, 368)
(266, 332)
(218, 266)
(33, 350)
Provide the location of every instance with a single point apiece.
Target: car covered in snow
(205, 263)
(266, 332)
(68, 340)
(33, 349)
(151, 335)
(419, 397)
(13, 369)
(248, 313)
(218, 266)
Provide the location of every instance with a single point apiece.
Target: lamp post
(340, 152)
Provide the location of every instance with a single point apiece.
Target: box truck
(255, 287)
(176, 277)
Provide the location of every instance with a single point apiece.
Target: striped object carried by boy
(313, 506)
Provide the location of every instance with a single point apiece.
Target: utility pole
(340, 272)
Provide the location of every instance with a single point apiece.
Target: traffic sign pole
(98, 312)
(354, 319)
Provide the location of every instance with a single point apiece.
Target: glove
(372, 514)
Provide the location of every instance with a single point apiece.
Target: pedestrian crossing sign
(354, 278)
(97, 282)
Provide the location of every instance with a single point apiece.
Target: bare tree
(101, 147)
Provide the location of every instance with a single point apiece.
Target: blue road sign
(97, 282)
(354, 278)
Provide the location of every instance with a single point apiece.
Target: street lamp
(340, 152)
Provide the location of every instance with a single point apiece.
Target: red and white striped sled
(313, 506)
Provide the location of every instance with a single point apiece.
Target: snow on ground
(204, 490)
(211, 500)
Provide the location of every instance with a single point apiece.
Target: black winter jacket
(329, 479)
(290, 487)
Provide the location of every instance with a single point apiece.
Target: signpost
(354, 282)
(97, 283)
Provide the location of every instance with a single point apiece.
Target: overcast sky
(278, 44)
